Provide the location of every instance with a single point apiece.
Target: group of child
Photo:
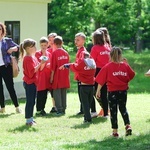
(97, 71)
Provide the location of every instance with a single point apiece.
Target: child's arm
(52, 77)
(39, 65)
(98, 93)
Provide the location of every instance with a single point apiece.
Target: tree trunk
(138, 41)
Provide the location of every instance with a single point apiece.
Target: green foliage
(123, 18)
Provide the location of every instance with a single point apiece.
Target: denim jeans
(30, 90)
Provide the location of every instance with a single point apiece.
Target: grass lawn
(69, 133)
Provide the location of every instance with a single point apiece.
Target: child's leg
(64, 99)
(104, 99)
(122, 106)
(84, 91)
(38, 101)
(58, 101)
(112, 99)
(30, 90)
(44, 99)
(79, 95)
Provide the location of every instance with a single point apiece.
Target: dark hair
(115, 54)
(58, 40)
(3, 29)
(43, 40)
(52, 35)
(81, 34)
(25, 44)
(106, 34)
(98, 38)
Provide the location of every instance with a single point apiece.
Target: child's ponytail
(21, 49)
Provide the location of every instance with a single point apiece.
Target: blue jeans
(30, 90)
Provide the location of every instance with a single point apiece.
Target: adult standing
(7, 46)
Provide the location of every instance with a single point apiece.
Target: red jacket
(29, 64)
(116, 75)
(44, 74)
(85, 68)
(50, 50)
(78, 55)
(61, 77)
(101, 55)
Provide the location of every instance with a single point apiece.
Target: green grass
(69, 133)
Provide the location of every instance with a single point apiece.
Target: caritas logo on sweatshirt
(62, 57)
(105, 53)
(119, 73)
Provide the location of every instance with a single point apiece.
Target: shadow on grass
(75, 116)
(6, 115)
(86, 125)
(23, 128)
(124, 143)
(9, 102)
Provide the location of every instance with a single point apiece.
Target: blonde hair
(3, 29)
(116, 54)
(25, 44)
(81, 34)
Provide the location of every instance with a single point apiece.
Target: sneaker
(116, 135)
(43, 113)
(106, 117)
(128, 130)
(53, 110)
(101, 113)
(93, 114)
(2, 110)
(18, 110)
(59, 113)
(80, 113)
(87, 121)
(32, 123)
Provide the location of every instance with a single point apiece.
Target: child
(30, 68)
(59, 78)
(43, 85)
(100, 53)
(116, 74)
(85, 67)
(79, 42)
(51, 37)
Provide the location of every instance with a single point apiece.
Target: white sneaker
(93, 114)
(18, 110)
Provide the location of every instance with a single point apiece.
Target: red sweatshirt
(29, 64)
(61, 77)
(85, 68)
(116, 75)
(78, 55)
(100, 54)
(44, 74)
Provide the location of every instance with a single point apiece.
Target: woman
(7, 46)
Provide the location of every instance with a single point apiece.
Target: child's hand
(98, 94)
(62, 67)
(124, 60)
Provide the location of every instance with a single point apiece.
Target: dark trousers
(103, 98)
(30, 90)
(7, 76)
(60, 99)
(86, 93)
(41, 100)
(79, 95)
(118, 99)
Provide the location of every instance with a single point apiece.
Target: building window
(13, 30)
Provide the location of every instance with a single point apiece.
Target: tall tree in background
(128, 21)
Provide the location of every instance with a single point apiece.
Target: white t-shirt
(1, 57)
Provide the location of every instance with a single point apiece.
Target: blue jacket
(7, 43)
